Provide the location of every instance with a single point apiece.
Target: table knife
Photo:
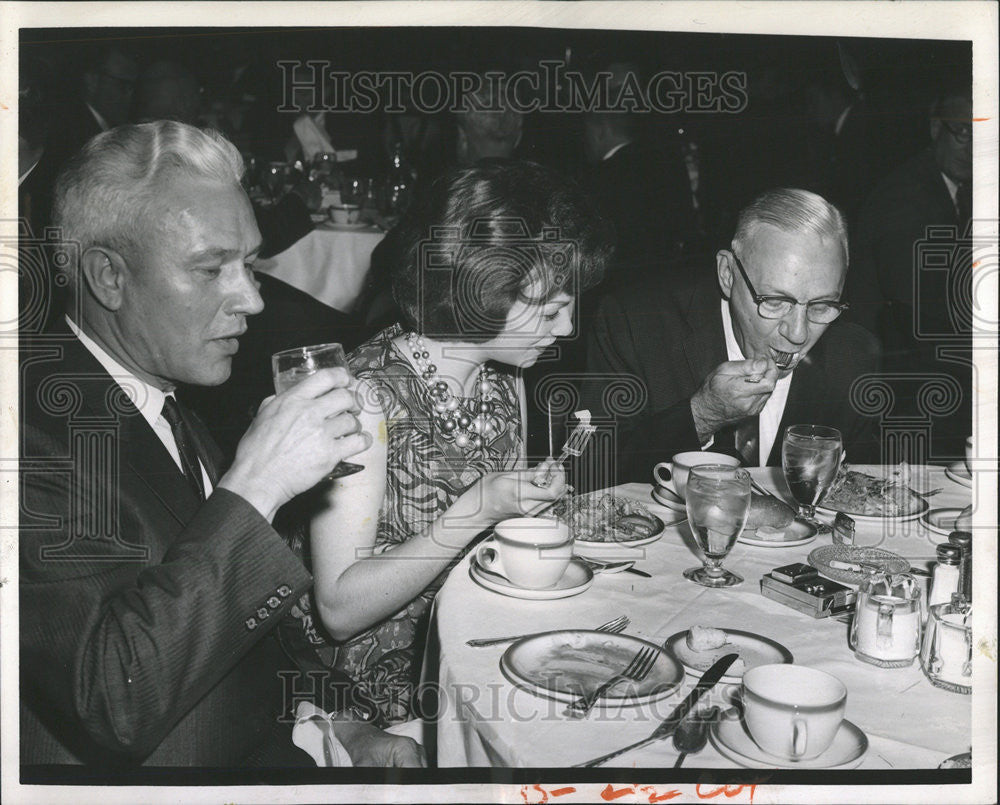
(708, 681)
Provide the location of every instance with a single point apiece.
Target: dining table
(485, 719)
(330, 263)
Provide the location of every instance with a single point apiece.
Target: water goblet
(810, 458)
(291, 366)
(718, 502)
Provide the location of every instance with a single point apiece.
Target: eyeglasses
(962, 132)
(777, 307)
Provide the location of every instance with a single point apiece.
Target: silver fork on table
(636, 671)
(619, 624)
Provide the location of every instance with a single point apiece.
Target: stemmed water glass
(291, 366)
(718, 502)
(810, 458)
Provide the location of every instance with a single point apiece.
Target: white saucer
(670, 499)
(805, 530)
(941, 521)
(577, 578)
(959, 474)
(730, 737)
(753, 649)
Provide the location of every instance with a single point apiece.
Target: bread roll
(705, 638)
(766, 510)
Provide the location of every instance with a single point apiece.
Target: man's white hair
(791, 210)
(103, 195)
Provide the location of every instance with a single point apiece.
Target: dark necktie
(746, 436)
(185, 445)
(963, 203)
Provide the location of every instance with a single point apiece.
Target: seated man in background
(151, 579)
(918, 306)
(730, 358)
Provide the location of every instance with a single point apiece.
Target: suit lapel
(704, 347)
(140, 449)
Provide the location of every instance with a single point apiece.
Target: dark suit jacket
(910, 274)
(885, 253)
(663, 337)
(646, 193)
(146, 616)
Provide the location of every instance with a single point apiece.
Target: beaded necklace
(467, 427)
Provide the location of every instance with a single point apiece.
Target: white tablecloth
(330, 263)
(486, 721)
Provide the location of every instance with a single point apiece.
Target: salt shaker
(946, 576)
(963, 539)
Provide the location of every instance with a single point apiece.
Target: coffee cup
(530, 552)
(792, 712)
(676, 470)
(345, 213)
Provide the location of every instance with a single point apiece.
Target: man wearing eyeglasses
(730, 358)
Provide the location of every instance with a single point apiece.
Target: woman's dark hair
(483, 237)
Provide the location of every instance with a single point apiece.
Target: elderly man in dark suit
(151, 580)
(730, 358)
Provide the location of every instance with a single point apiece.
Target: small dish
(669, 498)
(803, 532)
(753, 649)
(564, 665)
(941, 521)
(731, 738)
(959, 474)
(869, 518)
(887, 561)
(577, 578)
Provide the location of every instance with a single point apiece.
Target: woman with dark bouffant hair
(493, 259)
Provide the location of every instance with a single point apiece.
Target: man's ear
(90, 82)
(105, 272)
(724, 269)
(935, 129)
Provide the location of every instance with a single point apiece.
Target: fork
(636, 671)
(619, 624)
(575, 444)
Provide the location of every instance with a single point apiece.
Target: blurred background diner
(882, 128)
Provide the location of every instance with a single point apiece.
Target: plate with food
(869, 499)
(848, 563)
(699, 647)
(772, 524)
(605, 520)
(567, 664)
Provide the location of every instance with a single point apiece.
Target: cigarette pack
(816, 597)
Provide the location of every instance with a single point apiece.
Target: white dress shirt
(148, 399)
(774, 408)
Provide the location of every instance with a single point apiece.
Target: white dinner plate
(577, 578)
(731, 738)
(753, 649)
(887, 561)
(601, 546)
(802, 533)
(567, 664)
(959, 474)
(941, 521)
(871, 518)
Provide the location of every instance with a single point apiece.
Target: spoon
(692, 733)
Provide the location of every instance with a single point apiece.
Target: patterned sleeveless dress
(426, 472)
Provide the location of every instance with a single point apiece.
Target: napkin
(313, 726)
(312, 137)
